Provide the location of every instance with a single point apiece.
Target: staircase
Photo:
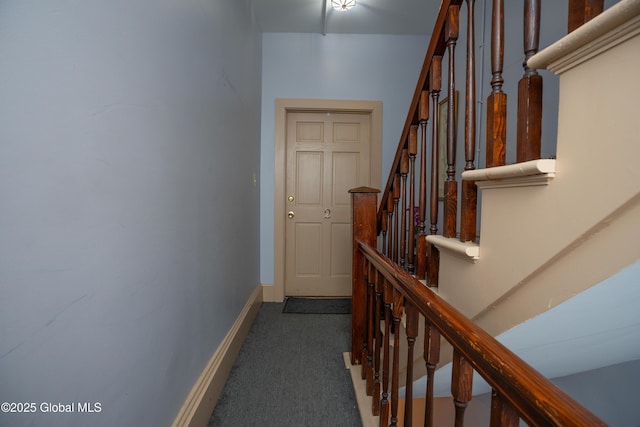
(549, 228)
(553, 228)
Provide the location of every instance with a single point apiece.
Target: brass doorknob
(290, 214)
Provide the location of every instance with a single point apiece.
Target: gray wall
(130, 134)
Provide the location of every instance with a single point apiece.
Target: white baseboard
(202, 399)
(269, 293)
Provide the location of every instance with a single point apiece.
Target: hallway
(290, 372)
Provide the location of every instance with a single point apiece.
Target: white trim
(522, 181)
(613, 26)
(533, 167)
(465, 250)
(269, 293)
(534, 172)
(202, 399)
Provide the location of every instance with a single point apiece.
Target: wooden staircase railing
(416, 164)
(386, 284)
(384, 293)
(518, 391)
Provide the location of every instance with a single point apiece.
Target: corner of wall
(269, 293)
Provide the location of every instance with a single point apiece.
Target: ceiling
(367, 17)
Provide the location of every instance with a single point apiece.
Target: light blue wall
(129, 132)
(354, 67)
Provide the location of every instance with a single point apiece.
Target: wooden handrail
(533, 397)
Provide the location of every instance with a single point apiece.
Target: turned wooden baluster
(412, 333)
(383, 227)
(404, 170)
(397, 214)
(497, 100)
(384, 403)
(390, 223)
(371, 296)
(365, 345)
(469, 197)
(451, 185)
(422, 196)
(433, 255)
(395, 371)
(461, 385)
(502, 414)
(431, 356)
(421, 245)
(529, 131)
(413, 150)
(582, 11)
(379, 306)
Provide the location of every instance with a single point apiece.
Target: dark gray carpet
(317, 305)
(290, 372)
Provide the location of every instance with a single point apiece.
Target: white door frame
(282, 107)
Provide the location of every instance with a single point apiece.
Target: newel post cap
(364, 190)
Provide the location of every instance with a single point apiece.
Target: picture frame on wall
(443, 115)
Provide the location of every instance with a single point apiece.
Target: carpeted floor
(290, 372)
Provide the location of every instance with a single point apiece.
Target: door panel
(345, 176)
(327, 155)
(310, 131)
(308, 244)
(309, 170)
(346, 132)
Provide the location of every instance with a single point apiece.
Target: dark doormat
(317, 305)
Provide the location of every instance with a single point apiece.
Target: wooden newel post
(364, 202)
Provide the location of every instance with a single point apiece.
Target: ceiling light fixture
(343, 5)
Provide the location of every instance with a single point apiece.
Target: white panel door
(327, 155)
